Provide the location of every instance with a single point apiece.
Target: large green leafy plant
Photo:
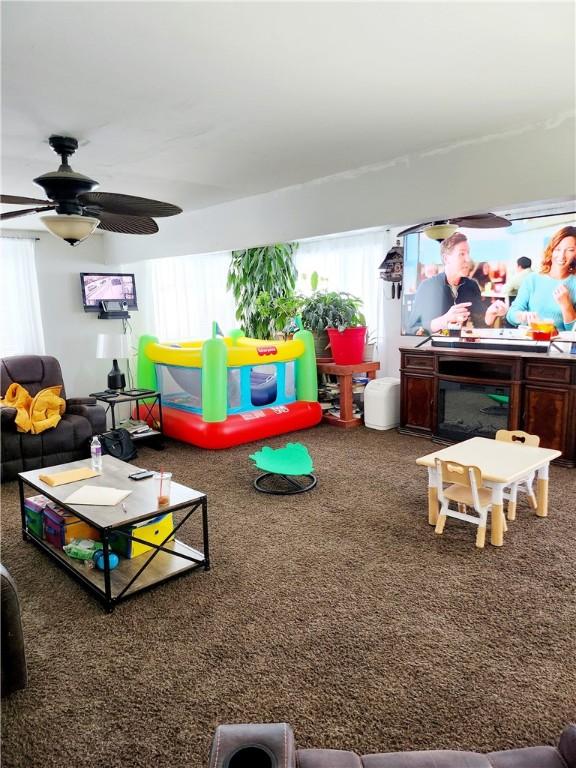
(269, 269)
(279, 311)
(332, 309)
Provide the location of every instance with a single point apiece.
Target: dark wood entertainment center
(540, 392)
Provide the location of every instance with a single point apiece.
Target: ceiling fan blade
(482, 221)
(15, 200)
(127, 225)
(474, 221)
(15, 214)
(128, 205)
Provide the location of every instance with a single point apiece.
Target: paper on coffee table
(97, 496)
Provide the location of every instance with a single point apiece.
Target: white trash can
(382, 403)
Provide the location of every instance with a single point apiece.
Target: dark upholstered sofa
(68, 441)
(271, 745)
(14, 675)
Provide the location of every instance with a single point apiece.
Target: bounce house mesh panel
(290, 381)
(234, 393)
(180, 387)
(263, 384)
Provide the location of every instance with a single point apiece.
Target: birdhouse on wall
(392, 269)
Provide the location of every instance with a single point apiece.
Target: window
(346, 262)
(21, 331)
(187, 294)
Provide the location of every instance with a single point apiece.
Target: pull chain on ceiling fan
(79, 210)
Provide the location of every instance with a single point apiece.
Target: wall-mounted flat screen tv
(493, 257)
(98, 287)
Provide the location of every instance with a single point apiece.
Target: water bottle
(96, 454)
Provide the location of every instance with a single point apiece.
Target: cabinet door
(547, 414)
(417, 406)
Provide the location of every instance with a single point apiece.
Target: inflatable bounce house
(231, 390)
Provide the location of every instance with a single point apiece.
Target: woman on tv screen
(551, 292)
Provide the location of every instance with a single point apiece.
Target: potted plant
(278, 311)
(267, 268)
(338, 313)
(369, 347)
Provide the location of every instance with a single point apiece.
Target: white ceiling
(199, 103)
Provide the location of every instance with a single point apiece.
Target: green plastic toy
(293, 459)
(281, 468)
(82, 549)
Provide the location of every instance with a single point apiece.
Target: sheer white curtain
(345, 263)
(179, 297)
(187, 293)
(21, 331)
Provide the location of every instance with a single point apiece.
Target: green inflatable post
(214, 378)
(306, 375)
(145, 369)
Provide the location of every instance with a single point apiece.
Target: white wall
(530, 163)
(69, 332)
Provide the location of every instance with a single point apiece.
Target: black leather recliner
(68, 441)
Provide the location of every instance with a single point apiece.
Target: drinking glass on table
(162, 482)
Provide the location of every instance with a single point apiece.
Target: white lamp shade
(73, 229)
(112, 346)
(440, 231)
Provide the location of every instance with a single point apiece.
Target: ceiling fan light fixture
(440, 232)
(69, 227)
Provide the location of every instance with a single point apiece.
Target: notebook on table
(68, 476)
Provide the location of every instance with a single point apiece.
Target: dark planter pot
(347, 345)
(321, 344)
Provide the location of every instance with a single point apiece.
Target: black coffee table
(165, 560)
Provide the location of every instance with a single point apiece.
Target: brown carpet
(338, 611)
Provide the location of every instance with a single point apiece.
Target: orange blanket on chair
(38, 413)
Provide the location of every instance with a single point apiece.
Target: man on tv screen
(523, 269)
(451, 298)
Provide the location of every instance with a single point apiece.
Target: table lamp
(114, 345)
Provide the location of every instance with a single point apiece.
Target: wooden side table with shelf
(344, 375)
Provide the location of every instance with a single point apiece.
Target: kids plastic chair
(282, 468)
(465, 490)
(517, 437)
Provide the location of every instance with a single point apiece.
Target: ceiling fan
(440, 230)
(79, 210)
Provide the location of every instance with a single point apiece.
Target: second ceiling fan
(440, 230)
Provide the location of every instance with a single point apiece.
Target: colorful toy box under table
(154, 531)
(34, 509)
(60, 527)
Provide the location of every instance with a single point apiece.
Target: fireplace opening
(471, 410)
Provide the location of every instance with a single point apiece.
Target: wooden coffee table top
(139, 505)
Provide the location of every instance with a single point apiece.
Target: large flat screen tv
(493, 262)
(98, 287)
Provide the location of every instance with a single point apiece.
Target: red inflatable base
(239, 428)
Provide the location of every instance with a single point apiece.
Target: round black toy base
(283, 485)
